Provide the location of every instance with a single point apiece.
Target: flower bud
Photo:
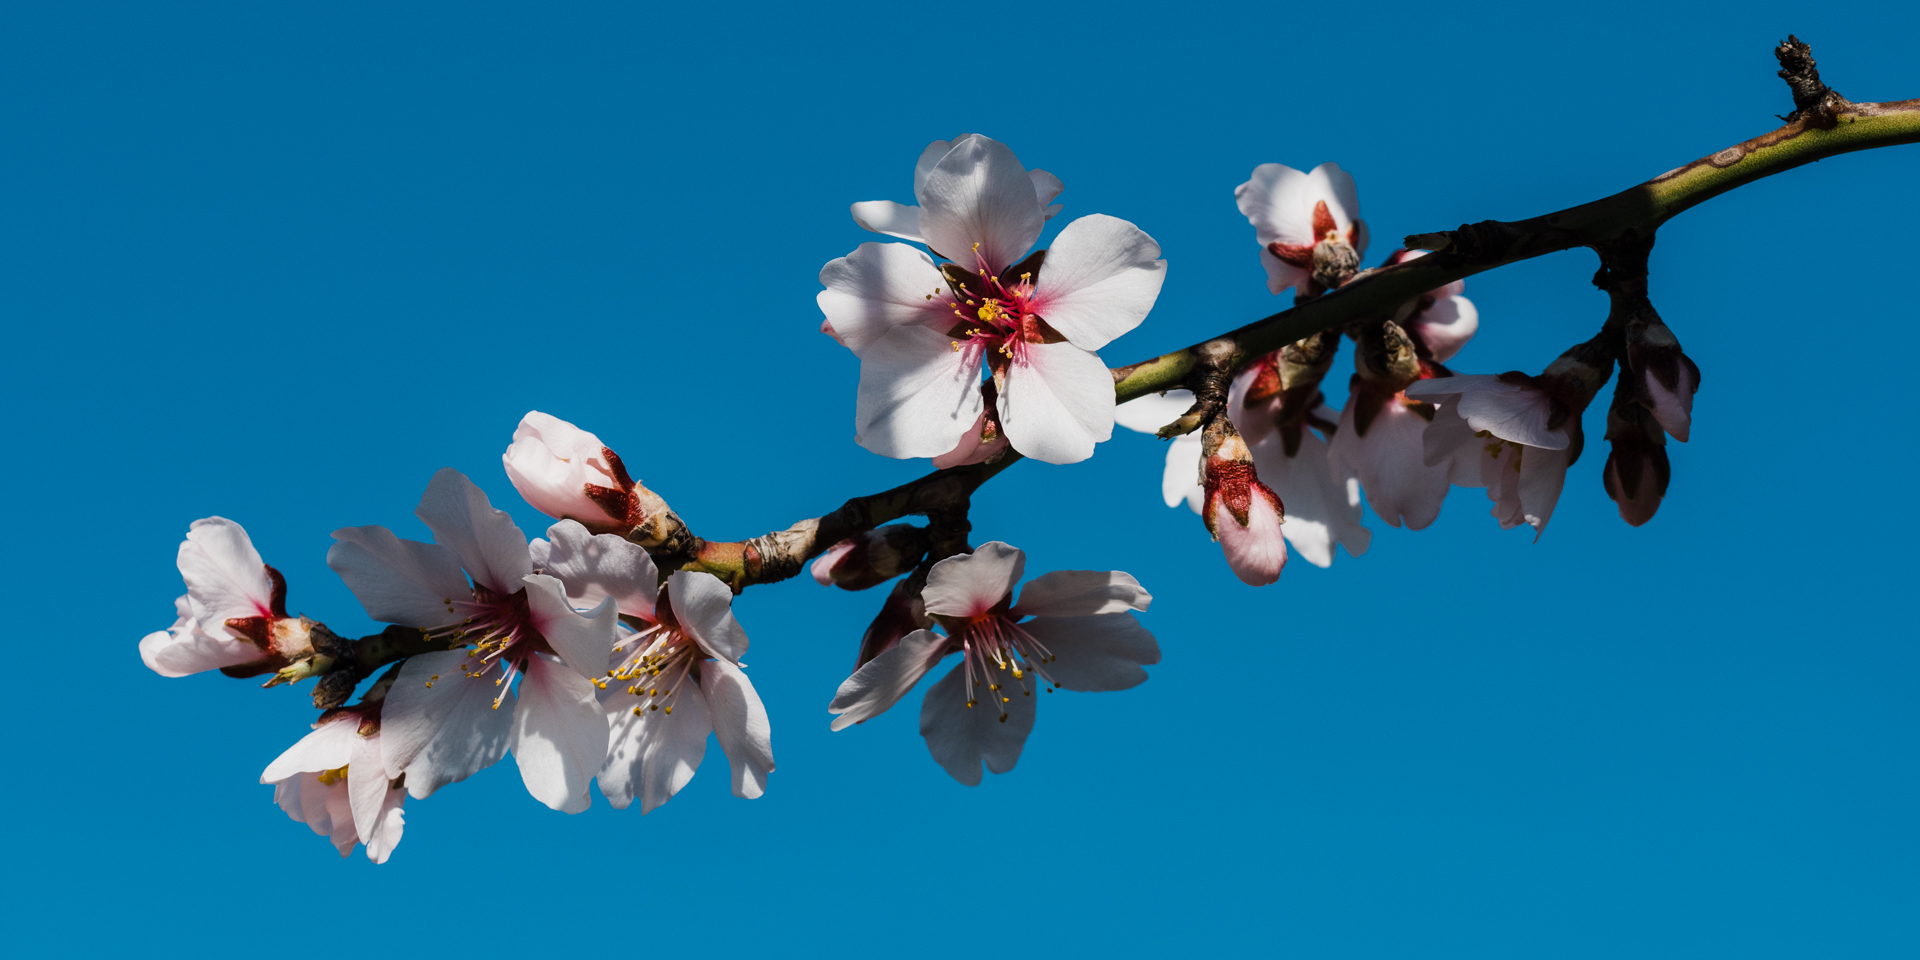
(1386, 357)
(1664, 377)
(1240, 511)
(1637, 470)
(982, 442)
(871, 558)
(568, 474)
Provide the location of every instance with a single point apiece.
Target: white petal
(1330, 183)
(961, 737)
(551, 462)
(388, 825)
(704, 607)
(328, 747)
(1100, 278)
(917, 393)
(1542, 474)
(1147, 414)
(1046, 186)
(892, 219)
(1179, 480)
(1257, 551)
(559, 734)
(1058, 402)
(399, 581)
(969, 584)
(186, 649)
(1278, 200)
(595, 567)
(1510, 411)
(740, 724)
(444, 733)
(1447, 436)
(367, 784)
(882, 681)
(1281, 274)
(224, 574)
(931, 156)
(980, 194)
(880, 286)
(1080, 593)
(1093, 654)
(1319, 510)
(654, 753)
(489, 545)
(583, 641)
(1389, 461)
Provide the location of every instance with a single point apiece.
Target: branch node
(1813, 100)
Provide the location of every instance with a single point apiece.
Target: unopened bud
(1334, 261)
(871, 558)
(1242, 513)
(568, 474)
(1637, 469)
(1664, 377)
(1386, 357)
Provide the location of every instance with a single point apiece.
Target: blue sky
(282, 263)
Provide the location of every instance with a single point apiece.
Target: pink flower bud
(1665, 378)
(1637, 470)
(1242, 513)
(568, 474)
(871, 558)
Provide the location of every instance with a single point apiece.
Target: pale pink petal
(892, 219)
(559, 736)
(1147, 414)
(971, 449)
(1322, 505)
(1057, 402)
(1445, 439)
(1510, 411)
(823, 567)
(1093, 654)
(1674, 408)
(740, 724)
(1256, 551)
(1046, 186)
(704, 608)
(930, 156)
(653, 753)
(1180, 478)
(1100, 279)
(1389, 462)
(399, 581)
(1080, 593)
(1542, 474)
(551, 462)
(185, 649)
(1330, 183)
(583, 641)
(328, 747)
(979, 194)
(597, 566)
(446, 732)
(388, 825)
(971, 583)
(225, 575)
(883, 680)
(367, 785)
(1281, 274)
(880, 286)
(1278, 200)
(489, 545)
(917, 393)
(961, 738)
(1446, 326)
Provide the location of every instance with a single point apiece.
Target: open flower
(233, 616)
(675, 674)
(1521, 440)
(1298, 216)
(1380, 442)
(1081, 637)
(568, 474)
(444, 719)
(927, 333)
(335, 780)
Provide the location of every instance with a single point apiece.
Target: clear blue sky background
(282, 264)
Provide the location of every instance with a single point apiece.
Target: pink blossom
(233, 616)
(443, 719)
(335, 781)
(1442, 321)
(1243, 514)
(1082, 637)
(1510, 429)
(927, 333)
(1291, 212)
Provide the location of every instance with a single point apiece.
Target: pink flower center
(995, 651)
(996, 315)
(659, 659)
(498, 633)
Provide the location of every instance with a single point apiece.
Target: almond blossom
(335, 780)
(926, 333)
(1293, 213)
(568, 474)
(1441, 320)
(233, 616)
(676, 675)
(1510, 428)
(903, 221)
(444, 719)
(1082, 637)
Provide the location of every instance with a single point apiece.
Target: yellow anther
(669, 711)
(969, 704)
(640, 710)
(434, 677)
(656, 706)
(330, 777)
(990, 311)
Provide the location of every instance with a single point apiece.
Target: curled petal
(970, 584)
(740, 724)
(704, 608)
(1255, 551)
(883, 680)
(552, 462)
(1075, 593)
(892, 219)
(597, 566)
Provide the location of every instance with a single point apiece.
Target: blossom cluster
(607, 650)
